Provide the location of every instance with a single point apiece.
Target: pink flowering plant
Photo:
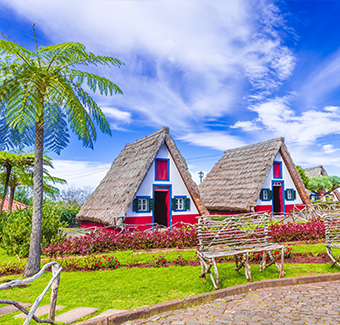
(158, 261)
(179, 260)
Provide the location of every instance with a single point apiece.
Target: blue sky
(220, 74)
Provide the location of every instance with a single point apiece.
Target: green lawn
(129, 288)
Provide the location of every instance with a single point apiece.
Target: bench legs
(333, 259)
(242, 261)
(206, 269)
(273, 260)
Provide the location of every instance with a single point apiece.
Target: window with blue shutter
(266, 194)
(142, 204)
(180, 203)
(290, 194)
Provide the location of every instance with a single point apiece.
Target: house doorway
(161, 206)
(277, 198)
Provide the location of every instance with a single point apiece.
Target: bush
(16, 229)
(285, 232)
(103, 241)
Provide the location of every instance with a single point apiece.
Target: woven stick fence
(54, 282)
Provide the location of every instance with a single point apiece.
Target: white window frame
(180, 203)
(142, 204)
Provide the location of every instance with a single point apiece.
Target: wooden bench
(236, 235)
(332, 234)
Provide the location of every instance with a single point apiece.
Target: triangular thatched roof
(110, 202)
(315, 171)
(236, 180)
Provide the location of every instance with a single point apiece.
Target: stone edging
(146, 312)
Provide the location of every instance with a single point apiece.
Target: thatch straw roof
(315, 171)
(236, 180)
(110, 202)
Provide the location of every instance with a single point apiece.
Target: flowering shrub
(12, 267)
(258, 255)
(178, 237)
(285, 232)
(158, 261)
(179, 260)
(104, 241)
(88, 262)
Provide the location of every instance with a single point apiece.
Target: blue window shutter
(270, 195)
(294, 194)
(173, 204)
(187, 204)
(261, 195)
(150, 208)
(286, 194)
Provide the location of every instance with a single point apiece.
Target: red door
(161, 206)
(277, 198)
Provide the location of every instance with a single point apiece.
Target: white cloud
(329, 148)
(246, 125)
(116, 117)
(215, 140)
(331, 108)
(186, 61)
(79, 174)
(277, 117)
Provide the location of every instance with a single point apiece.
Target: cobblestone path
(300, 304)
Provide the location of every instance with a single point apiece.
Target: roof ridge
(164, 129)
(255, 144)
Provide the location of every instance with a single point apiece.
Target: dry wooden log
(54, 293)
(39, 298)
(14, 283)
(25, 311)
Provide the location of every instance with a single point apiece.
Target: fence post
(54, 292)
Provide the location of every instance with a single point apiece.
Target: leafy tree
(44, 83)
(323, 185)
(303, 175)
(7, 161)
(24, 176)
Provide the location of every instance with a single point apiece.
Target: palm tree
(45, 82)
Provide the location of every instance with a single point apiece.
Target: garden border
(148, 311)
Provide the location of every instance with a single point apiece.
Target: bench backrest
(332, 227)
(236, 231)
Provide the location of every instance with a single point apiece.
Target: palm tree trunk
(11, 199)
(8, 174)
(33, 261)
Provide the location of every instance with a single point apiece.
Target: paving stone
(106, 313)
(303, 304)
(11, 309)
(43, 310)
(75, 314)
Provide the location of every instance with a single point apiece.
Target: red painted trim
(187, 218)
(224, 213)
(262, 208)
(85, 224)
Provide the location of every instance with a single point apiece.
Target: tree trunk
(11, 198)
(33, 261)
(8, 174)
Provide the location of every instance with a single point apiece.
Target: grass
(132, 288)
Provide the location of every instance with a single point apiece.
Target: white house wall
(288, 183)
(178, 187)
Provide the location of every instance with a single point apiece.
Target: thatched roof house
(319, 171)
(131, 180)
(239, 178)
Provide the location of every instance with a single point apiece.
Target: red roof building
(15, 205)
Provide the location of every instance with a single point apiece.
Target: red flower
(96, 264)
(100, 262)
